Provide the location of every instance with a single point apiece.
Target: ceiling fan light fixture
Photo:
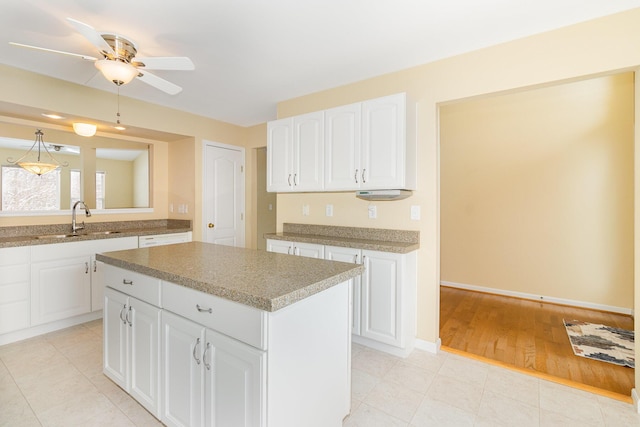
(85, 129)
(116, 71)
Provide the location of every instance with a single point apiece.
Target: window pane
(24, 191)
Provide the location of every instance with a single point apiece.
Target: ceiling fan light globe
(117, 72)
(84, 129)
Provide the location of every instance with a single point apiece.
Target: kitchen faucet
(87, 212)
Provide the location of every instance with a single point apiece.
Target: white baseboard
(636, 400)
(431, 347)
(533, 297)
(34, 331)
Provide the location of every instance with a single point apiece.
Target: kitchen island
(203, 334)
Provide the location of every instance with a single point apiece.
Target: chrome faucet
(87, 212)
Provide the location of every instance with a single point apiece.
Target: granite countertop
(384, 240)
(264, 280)
(30, 235)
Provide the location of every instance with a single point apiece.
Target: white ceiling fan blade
(85, 57)
(179, 63)
(158, 83)
(92, 35)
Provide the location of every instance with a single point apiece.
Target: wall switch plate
(305, 210)
(415, 212)
(329, 210)
(270, 206)
(373, 211)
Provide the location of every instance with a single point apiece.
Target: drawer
(137, 285)
(13, 256)
(244, 323)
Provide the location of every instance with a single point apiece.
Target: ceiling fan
(119, 63)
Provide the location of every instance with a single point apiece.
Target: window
(24, 191)
(100, 188)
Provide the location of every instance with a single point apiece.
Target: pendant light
(31, 160)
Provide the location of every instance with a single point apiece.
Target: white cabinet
(14, 289)
(342, 147)
(368, 145)
(295, 153)
(60, 288)
(164, 239)
(132, 347)
(97, 268)
(353, 256)
(209, 378)
(310, 250)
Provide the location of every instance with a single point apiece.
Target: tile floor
(56, 380)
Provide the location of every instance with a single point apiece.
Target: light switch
(305, 210)
(270, 206)
(329, 210)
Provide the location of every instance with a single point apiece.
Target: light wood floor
(529, 335)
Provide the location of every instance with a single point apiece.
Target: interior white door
(223, 195)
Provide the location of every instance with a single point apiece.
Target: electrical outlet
(373, 211)
(415, 212)
(305, 210)
(329, 210)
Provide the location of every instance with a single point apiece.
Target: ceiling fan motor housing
(123, 50)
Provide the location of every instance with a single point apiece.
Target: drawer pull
(204, 310)
(127, 282)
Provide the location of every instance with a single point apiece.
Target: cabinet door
(144, 346)
(280, 155)
(280, 246)
(235, 382)
(309, 250)
(14, 289)
(115, 343)
(60, 289)
(308, 161)
(183, 385)
(353, 256)
(381, 297)
(342, 139)
(384, 142)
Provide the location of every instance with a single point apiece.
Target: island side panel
(309, 361)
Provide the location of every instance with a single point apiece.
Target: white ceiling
(251, 54)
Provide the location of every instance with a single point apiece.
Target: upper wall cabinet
(295, 153)
(364, 146)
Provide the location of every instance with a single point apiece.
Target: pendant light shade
(116, 71)
(31, 161)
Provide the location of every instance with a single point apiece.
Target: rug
(600, 342)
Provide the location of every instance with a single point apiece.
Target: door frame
(241, 187)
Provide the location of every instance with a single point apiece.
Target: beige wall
(537, 191)
(266, 202)
(118, 188)
(606, 45)
(47, 94)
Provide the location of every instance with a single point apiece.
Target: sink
(96, 233)
(55, 236)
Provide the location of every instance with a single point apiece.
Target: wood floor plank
(528, 335)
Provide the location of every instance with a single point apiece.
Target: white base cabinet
(384, 296)
(131, 359)
(227, 364)
(310, 250)
(209, 379)
(15, 306)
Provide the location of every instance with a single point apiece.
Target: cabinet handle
(363, 180)
(289, 180)
(355, 176)
(86, 268)
(127, 282)
(295, 179)
(124, 307)
(195, 348)
(204, 310)
(204, 357)
(127, 316)
(95, 266)
(289, 250)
